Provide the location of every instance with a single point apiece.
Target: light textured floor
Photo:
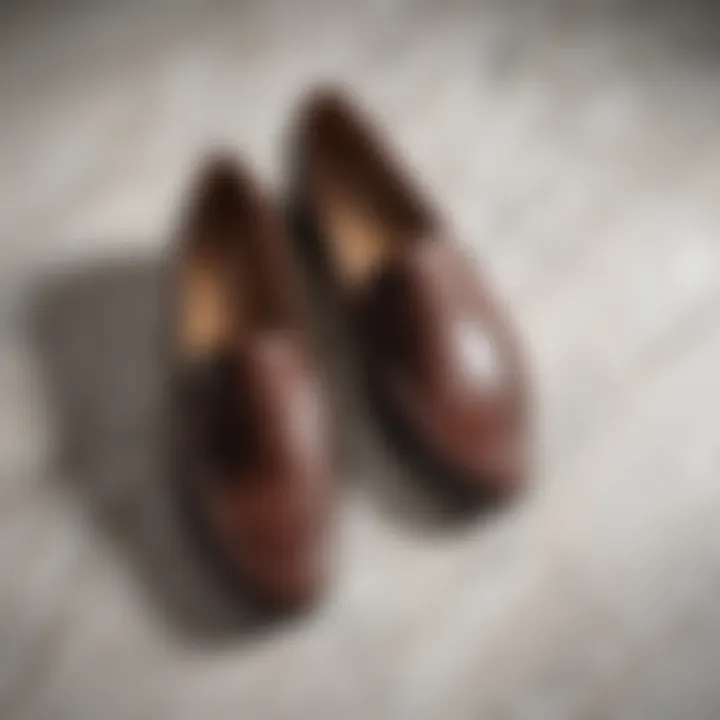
(576, 147)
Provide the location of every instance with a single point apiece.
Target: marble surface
(575, 145)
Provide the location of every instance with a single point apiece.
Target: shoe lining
(361, 239)
(229, 288)
(368, 210)
(212, 314)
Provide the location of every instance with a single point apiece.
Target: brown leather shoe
(252, 427)
(442, 362)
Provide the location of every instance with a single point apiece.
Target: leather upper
(253, 414)
(443, 354)
(439, 348)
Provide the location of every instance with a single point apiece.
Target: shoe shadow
(98, 331)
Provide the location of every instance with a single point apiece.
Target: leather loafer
(442, 362)
(252, 429)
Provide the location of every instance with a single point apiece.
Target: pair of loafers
(439, 358)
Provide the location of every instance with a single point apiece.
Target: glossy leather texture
(442, 361)
(253, 433)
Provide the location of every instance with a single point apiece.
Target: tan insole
(361, 241)
(212, 314)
